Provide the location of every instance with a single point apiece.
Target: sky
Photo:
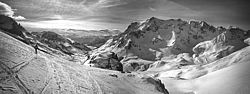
(118, 14)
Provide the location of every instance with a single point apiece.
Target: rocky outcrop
(135, 64)
(107, 60)
(221, 46)
(11, 26)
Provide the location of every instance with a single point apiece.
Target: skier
(36, 48)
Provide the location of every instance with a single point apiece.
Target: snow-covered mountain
(156, 39)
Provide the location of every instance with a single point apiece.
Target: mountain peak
(153, 19)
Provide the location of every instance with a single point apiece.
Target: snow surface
(223, 78)
(24, 72)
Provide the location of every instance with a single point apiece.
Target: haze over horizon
(118, 14)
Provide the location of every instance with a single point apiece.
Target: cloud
(67, 9)
(123, 12)
(221, 12)
(107, 19)
(53, 17)
(8, 11)
(108, 3)
(19, 18)
(152, 9)
(68, 24)
(56, 17)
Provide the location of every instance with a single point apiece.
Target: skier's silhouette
(36, 48)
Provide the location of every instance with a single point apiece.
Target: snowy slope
(232, 80)
(24, 72)
(229, 75)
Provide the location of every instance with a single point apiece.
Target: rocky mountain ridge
(10, 26)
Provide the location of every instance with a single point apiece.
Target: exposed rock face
(221, 46)
(58, 42)
(158, 84)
